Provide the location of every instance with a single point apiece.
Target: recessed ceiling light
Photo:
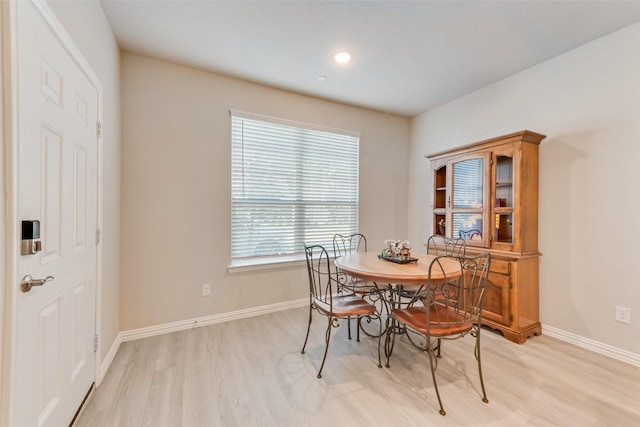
(322, 78)
(342, 57)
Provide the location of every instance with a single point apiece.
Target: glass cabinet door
(504, 203)
(467, 198)
(439, 200)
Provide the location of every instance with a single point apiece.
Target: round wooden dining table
(368, 266)
(390, 280)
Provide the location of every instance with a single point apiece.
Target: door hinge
(96, 341)
(99, 129)
(491, 161)
(98, 235)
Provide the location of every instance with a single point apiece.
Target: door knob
(29, 282)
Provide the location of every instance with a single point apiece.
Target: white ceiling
(408, 56)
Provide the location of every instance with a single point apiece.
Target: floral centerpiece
(400, 249)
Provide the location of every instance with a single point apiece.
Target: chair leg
(439, 347)
(477, 354)
(326, 348)
(349, 327)
(308, 329)
(358, 326)
(389, 339)
(379, 338)
(433, 365)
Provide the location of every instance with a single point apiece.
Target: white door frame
(9, 219)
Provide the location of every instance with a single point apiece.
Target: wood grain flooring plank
(250, 372)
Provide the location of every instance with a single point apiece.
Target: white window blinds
(292, 184)
(467, 183)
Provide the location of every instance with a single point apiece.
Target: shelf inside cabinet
(503, 210)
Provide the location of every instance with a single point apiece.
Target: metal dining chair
(344, 244)
(436, 245)
(326, 301)
(440, 245)
(452, 309)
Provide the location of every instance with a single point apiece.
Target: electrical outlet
(623, 314)
(206, 289)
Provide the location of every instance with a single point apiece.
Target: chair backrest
(439, 245)
(456, 301)
(322, 282)
(344, 244)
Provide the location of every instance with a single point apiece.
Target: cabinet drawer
(499, 266)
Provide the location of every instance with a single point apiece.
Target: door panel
(50, 343)
(80, 199)
(57, 112)
(52, 192)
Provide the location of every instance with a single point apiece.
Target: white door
(53, 355)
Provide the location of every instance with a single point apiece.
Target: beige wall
(175, 179)
(87, 25)
(176, 201)
(587, 102)
(3, 242)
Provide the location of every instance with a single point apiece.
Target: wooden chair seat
(443, 322)
(345, 306)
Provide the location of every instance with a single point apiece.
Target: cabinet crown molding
(520, 136)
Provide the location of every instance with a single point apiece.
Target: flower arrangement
(397, 249)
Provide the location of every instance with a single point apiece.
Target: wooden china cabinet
(487, 193)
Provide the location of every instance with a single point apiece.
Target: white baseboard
(135, 334)
(104, 366)
(589, 344)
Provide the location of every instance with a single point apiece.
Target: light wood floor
(250, 373)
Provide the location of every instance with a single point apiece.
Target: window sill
(268, 263)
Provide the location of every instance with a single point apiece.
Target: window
(291, 184)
